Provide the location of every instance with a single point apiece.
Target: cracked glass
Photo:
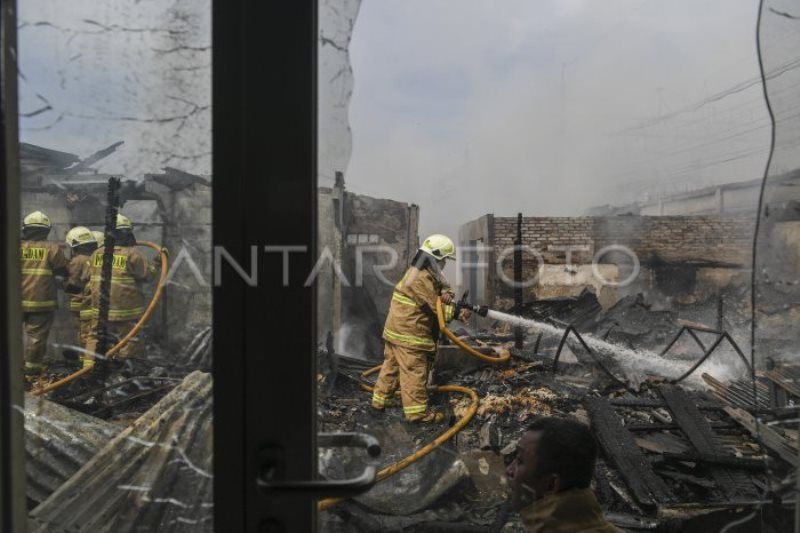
(115, 157)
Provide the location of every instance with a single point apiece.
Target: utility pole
(518, 332)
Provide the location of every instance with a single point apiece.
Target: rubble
(156, 473)
(58, 441)
(671, 456)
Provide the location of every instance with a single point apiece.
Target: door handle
(272, 480)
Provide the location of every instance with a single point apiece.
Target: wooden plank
(620, 448)
(738, 394)
(661, 426)
(657, 446)
(646, 402)
(787, 383)
(768, 436)
(696, 428)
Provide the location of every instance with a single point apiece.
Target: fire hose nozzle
(463, 303)
(480, 310)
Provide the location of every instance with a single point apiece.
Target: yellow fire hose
(502, 358)
(451, 432)
(131, 334)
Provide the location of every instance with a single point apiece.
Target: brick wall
(548, 235)
(699, 239)
(711, 241)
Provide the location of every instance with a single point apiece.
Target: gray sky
(464, 107)
(96, 72)
(460, 105)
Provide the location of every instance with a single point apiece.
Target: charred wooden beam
(696, 428)
(661, 426)
(786, 382)
(765, 434)
(749, 463)
(739, 394)
(644, 402)
(621, 450)
(519, 336)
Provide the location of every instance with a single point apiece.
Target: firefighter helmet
(100, 237)
(439, 246)
(79, 235)
(37, 219)
(123, 222)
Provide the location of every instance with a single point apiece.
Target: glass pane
(115, 151)
(597, 167)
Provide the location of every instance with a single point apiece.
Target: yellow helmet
(439, 246)
(79, 236)
(123, 222)
(37, 219)
(100, 237)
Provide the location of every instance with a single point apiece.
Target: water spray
(630, 361)
(633, 363)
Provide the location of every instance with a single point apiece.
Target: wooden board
(768, 436)
(620, 448)
(788, 383)
(694, 425)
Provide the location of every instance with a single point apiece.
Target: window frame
(264, 164)
(13, 511)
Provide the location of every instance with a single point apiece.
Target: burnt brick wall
(712, 240)
(707, 239)
(723, 240)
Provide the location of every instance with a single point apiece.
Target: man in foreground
(550, 478)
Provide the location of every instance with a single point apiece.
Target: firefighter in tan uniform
(41, 261)
(82, 243)
(129, 269)
(411, 331)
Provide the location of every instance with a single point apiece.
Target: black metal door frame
(12, 448)
(264, 194)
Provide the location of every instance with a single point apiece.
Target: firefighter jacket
(41, 261)
(129, 269)
(571, 511)
(412, 318)
(78, 270)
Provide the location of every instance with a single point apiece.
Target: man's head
(440, 247)
(552, 456)
(81, 240)
(36, 226)
(123, 231)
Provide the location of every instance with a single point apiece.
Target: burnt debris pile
(691, 454)
(138, 470)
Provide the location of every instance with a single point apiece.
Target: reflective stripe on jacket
(411, 320)
(78, 270)
(39, 261)
(128, 269)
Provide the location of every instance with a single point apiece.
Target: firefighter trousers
(116, 331)
(36, 328)
(82, 330)
(408, 368)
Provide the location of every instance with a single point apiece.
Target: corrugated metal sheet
(156, 475)
(58, 441)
